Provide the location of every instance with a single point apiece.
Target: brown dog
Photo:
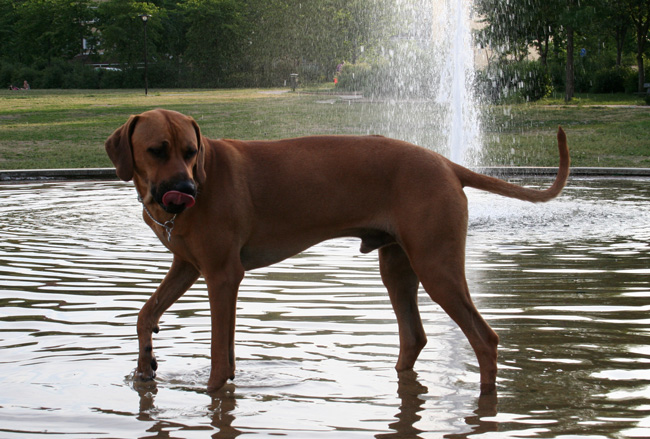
(227, 206)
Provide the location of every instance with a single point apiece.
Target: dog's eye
(190, 153)
(158, 152)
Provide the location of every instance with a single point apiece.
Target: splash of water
(428, 93)
(455, 92)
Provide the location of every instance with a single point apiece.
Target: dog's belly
(253, 257)
(256, 255)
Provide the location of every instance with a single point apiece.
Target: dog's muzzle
(176, 197)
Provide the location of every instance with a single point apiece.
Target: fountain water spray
(455, 92)
(428, 91)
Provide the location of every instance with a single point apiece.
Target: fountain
(430, 99)
(455, 90)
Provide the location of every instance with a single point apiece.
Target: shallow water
(565, 284)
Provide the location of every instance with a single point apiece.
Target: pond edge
(22, 175)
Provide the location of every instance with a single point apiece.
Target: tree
(49, 29)
(271, 52)
(121, 30)
(172, 43)
(505, 28)
(8, 19)
(513, 26)
(616, 20)
(215, 38)
(544, 23)
(569, 24)
(639, 12)
(575, 18)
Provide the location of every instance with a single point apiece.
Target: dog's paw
(144, 376)
(216, 384)
(146, 370)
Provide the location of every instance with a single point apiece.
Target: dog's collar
(167, 225)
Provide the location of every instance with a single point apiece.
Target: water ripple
(566, 285)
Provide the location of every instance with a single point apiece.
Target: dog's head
(164, 151)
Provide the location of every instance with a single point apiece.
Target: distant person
(25, 85)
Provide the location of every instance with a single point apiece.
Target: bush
(26, 73)
(612, 80)
(53, 76)
(354, 77)
(632, 83)
(6, 74)
(405, 72)
(524, 80)
(57, 74)
(81, 76)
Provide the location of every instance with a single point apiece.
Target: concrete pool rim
(23, 175)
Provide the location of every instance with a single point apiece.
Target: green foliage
(527, 81)
(606, 29)
(611, 80)
(214, 54)
(354, 77)
(403, 71)
(189, 43)
(223, 43)
(42, 29)
(122, 29)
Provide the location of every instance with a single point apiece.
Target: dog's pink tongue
(178, 199)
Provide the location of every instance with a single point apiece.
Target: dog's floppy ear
(199, 167)
(119, 150)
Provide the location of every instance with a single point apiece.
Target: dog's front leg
(223, 287)
(178, 280)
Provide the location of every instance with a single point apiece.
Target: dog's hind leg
(435, 245)
(443, 278)
(402, 284)
(179, 279)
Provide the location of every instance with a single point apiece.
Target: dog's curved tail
(500, 187)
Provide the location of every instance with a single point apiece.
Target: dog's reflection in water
(410, 391)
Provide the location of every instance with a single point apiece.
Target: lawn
(601, 136)
(67, 129)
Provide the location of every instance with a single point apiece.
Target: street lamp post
(145, 18)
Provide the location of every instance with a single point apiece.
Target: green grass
(67, 129)
(599, 135)
(582, 99)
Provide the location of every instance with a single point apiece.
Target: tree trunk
(641, 19)
(542, 47)
(620, 42)
(570, 70)
(639, 63)
(641, 32)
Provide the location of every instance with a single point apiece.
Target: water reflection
(566, 286)
(409, 390)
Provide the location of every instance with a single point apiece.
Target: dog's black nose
(186, 186)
